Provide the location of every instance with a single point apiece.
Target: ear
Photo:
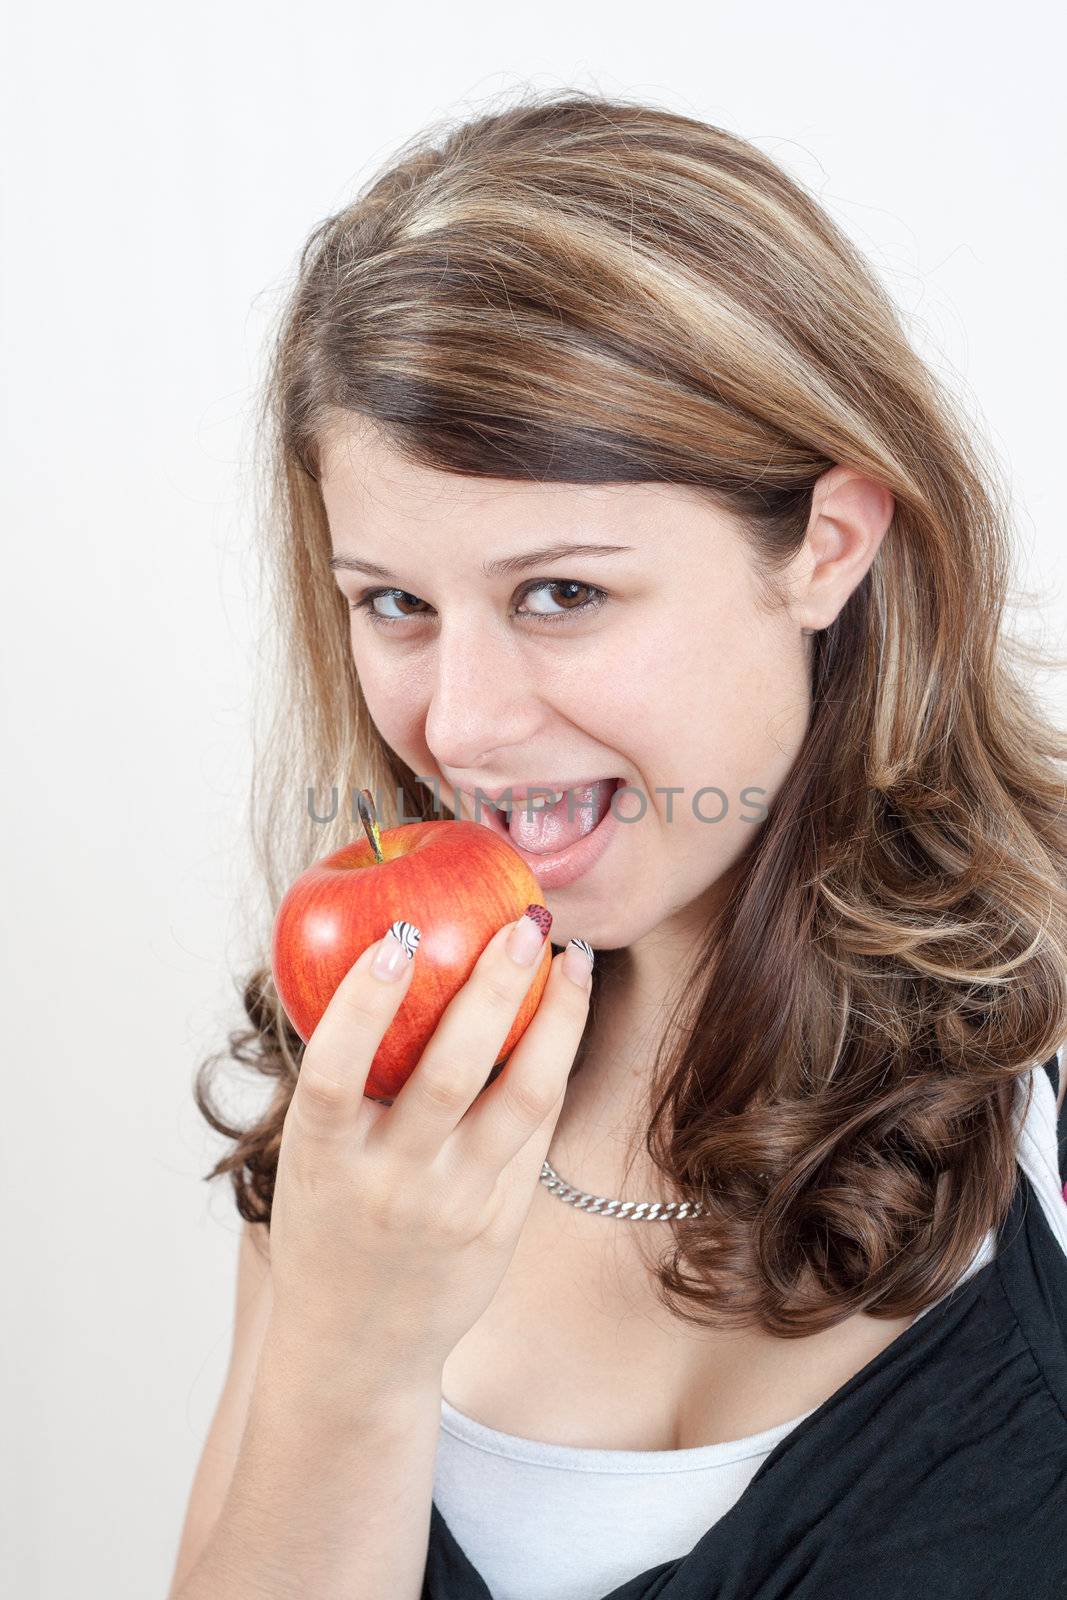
(850, 514)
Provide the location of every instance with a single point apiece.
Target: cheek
(394, 699)
(722, 702)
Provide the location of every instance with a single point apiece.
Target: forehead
(371, 489)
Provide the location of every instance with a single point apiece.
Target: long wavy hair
(574, 289)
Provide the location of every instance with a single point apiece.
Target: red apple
(459, 882)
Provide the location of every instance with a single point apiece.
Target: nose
(482, 698)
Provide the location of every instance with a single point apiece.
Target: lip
(553, 869)
(519, 791)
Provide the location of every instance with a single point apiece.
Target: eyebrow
(494, 569)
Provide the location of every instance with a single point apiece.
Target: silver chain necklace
(624, 1210)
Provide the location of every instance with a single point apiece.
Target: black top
(938, 1470)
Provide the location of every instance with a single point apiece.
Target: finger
(468, 1038)
(333, 1072)
(534, 1080)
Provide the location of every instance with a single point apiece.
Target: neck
(598, 1141)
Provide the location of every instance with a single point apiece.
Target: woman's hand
(392, 1226)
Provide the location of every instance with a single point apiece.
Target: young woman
(602, 466)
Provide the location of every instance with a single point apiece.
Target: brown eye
(570, 596)
(399, 596)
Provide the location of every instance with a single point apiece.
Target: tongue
(555, 827)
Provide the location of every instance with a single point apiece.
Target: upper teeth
(536, 802)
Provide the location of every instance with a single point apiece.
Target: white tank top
(559, 1522)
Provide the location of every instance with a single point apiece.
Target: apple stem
(365, 807)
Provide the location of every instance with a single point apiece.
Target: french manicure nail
(396, 949)
(528, 935)
(578, 962)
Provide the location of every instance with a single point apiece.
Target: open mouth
(540, 822)
(559, 839)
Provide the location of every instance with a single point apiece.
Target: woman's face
(650, 662)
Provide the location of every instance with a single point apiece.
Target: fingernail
(396, 949)
(578, 962)
(528, 934)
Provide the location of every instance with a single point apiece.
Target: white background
(162, 168)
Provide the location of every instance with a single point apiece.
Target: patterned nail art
(541, 915)
(408, 935)
(588, 949)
